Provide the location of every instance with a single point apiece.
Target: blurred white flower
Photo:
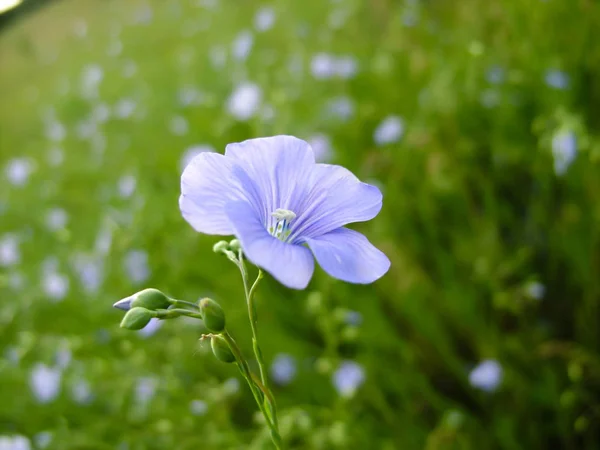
(353, 318)
(283, 369)
(56, 219)
(124, 108)
(145, 389)
(495, 75)
(55, 285)
(486, 376)
(490, 98)
(18, 171)
(323, 66)
(341, 108)
(242, 45)
(321, 145)
(101, 113)
(91, 77)
(127, 185)
(244, 101)
(178, 125)
(63, 357)
(390, 130)
(136, 266)
(55, 131)
(198, 407)
(557, 79)
(90, 270)
(81, 391)
(10, 253)
(189, 95)
(231, 386)
(348, 377)
(346, 67)
(564, 150)
(43, 439)
(44, 382)
(191, 152)
(535, 290)
(264, 18)
(16, 442)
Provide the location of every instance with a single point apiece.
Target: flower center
(283, 219)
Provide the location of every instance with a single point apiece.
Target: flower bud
(235, 245)
(220, 246)
(137, 318)
(212, 314)
(151, 299)
(221, 349)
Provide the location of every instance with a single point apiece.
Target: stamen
(283, 218)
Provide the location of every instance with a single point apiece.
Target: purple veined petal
(280, 167)
(291, 265)
(349, 256)
(207, 184)
(337, 198)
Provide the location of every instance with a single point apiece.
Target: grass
(474, 214)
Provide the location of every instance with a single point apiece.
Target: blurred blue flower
(264, 18)
(283, 369)
(557, 79)
(348, 377)
(353, 318)
(535, 290)
(281, 205)
(16, 442)
(244, 101)
(564, 150)
(198, 407)
(42, 440)
(390, 130)
(495, 75)
(44, 382)
(486, 376)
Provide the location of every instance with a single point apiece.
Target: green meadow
(479, 122)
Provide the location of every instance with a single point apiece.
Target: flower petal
(336, 198)
(349, 256)
(207, 184)
(280, 166)
(291, 265)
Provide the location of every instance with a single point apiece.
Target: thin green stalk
(182, 304)
(254, 385)
(249, 292)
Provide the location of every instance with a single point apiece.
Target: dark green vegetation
(494, 237)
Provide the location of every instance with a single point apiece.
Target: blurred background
(478, 120)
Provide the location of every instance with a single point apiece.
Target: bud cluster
(151, 303)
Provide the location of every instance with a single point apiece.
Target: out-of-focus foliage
(478, 120)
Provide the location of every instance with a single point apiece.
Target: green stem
(253, 325)
(256, 388)
(183, 304)
(176, 312)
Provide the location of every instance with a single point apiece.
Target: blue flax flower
(284, 208)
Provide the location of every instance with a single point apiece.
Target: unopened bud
(221, 349)
(235, 245)
(221, 246)
(137, 318)
(212, 314)
(151, 299)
